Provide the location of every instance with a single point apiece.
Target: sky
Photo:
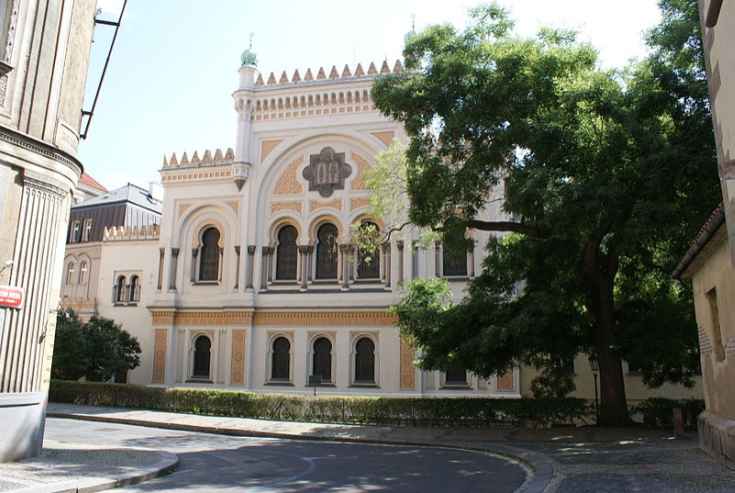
(174, 67)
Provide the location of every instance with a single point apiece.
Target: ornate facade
(253, 281)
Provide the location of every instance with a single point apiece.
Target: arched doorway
(202, 349)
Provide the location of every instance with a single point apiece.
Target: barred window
(368, 262)
(326, 252)
(134, 288)
(286, 254)
(454, 262)
(120, 289)
(281, 359)
(209, 256)
(365, 361)
(322, 359)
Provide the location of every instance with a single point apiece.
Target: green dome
(248, 58)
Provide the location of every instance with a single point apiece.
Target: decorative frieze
(237, 368)
(359, 202)
(288, 183)
(291, 205)
(408, 370)
(505, 382)
(316, 205)
(304, 318)
(358, 183)
(160, 342)
(201, 317)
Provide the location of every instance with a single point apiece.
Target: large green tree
(595, 171)
(96, 350)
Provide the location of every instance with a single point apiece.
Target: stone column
(264, 266)
(303, 251)
(194, 253)
(237, 267)
(414, 259)
(250, 267)
(399, 244)
(437, 259)
(471, 260)
(161, 260)
(345, 249)
(174, 269)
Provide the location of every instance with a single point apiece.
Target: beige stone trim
(287, 206)
(408, 371)
(359, 203)
(159, 355)
(505, 381)
(385, 137)
(324, 318)
(237, 368)
(331, 204)
(288, 183)
(198, 318)
(358, 183)
(267, 146)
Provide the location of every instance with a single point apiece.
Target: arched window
(134, 288)
(454, 262)
(365, 361)
(120, 289)
(286, 254)
(326, 252)
(202, 349)
(456, 375)
(322, 359)
(83, 271)
(368, 262)
(209, 256)
(281, 359)
(70, 273)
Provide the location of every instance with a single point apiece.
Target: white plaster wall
(130, 257)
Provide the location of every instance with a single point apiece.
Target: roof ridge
(333, 74)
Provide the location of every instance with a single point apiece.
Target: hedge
(347, 410)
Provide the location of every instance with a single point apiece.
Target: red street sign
(11, 297)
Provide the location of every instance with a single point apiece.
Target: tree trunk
(600, 271)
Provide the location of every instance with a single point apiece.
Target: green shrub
(659, 412)
(351, 410)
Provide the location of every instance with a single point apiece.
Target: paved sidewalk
(562, 460)
(66, 467)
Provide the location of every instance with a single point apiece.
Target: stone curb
(166, 464)
(540, 469)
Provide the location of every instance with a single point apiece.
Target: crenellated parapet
(207, 159)
(334, 74)
(132, 233)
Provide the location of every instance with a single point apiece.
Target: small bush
(349, 410)
(659, 412)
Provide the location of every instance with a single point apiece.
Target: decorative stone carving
(237, 369)
(408, 371)
(302, 318)
(315, 205)
(359, 202)
(159, 356)
(327, 172)
(287, 182)
(286, 206)
(358, 183)
(505, 382)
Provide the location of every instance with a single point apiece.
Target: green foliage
(97, 350)
(610, 172)
(70, 358)
(353, 410)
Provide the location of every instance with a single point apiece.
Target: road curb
(166, 464)
(540, 469)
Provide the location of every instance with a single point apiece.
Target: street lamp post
(595, 365)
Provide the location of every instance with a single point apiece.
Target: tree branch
(394, 229)
(505, 226)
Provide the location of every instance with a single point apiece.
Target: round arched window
(286, 254)
(209, 255)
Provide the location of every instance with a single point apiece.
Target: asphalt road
(217, 463)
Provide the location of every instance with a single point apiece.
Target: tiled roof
(706, 232)
(91, 182)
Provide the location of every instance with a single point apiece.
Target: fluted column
(304, 251)
(264, 267)
(387, 260)
(237, 267)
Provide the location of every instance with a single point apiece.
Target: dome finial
(248, 56)
(412, 32)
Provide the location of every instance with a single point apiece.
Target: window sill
(455, 386)
(279, 384)
(284, 282)
(366, 385)
(327, 385)
(125, 303)
(456, 278)
(205, 283)
(198, 380)
(368, 281)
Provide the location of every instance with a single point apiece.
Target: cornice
(24, 141)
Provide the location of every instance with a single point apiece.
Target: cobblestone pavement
(563, 460)
(218, 463)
